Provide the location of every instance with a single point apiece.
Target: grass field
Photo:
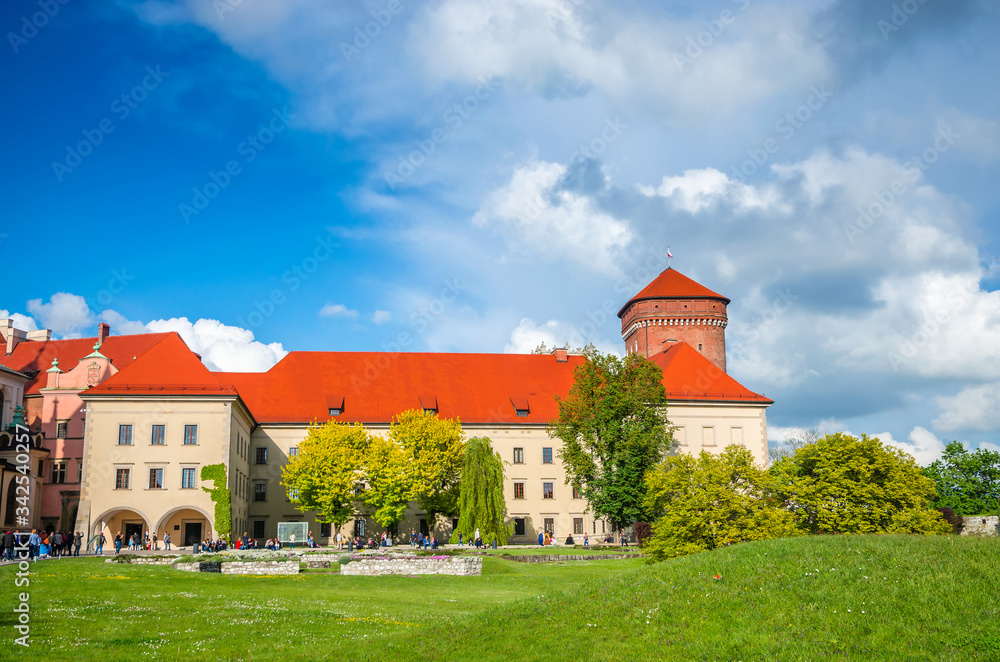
(846, 597)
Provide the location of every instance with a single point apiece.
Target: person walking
(166, 541)
(460, 539)
(340, 541)
(291, 539)
(78, 543)
(8, 545)
(99, 551)
(56, 541)
(478, 539)
(586, 540)
(118, 543)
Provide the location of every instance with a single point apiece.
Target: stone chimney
(103, 331)
(11, 335)
(561, 354)
(40, 335)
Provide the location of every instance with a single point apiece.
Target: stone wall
(416, 565)
(242, 567)
(146, 560)
(550, 558)
(980, 525)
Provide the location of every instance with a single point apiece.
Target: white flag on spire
(669, 254)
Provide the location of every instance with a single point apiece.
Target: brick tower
(671, 309)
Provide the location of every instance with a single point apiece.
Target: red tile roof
(689, 376)
(672, 284)
(375, 386)
(169, 368)
(35, 357)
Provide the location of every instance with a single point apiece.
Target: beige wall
(219, 420)
(721, 424)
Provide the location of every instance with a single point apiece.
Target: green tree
(388, 481)
(323, 475)
(968, 483)
(712, 501)
(842, 484)
(434, 448)
(481, 501)
(614, 430)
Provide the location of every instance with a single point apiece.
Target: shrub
(344, 559)
(642, 531)
(957, 521)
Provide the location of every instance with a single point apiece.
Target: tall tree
(968, 483)
(614, 430)
(843, 484)
(481, 501)
(434, 448)
(712, 501)
(323, 475)
(388, 481)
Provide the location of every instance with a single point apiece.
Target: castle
(122, 425)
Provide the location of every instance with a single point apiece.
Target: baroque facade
(126, 423)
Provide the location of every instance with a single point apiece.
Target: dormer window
(335, 405)
(521, 407)
(428, 403)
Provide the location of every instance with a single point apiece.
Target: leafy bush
(220, 496)
(344, 559)
(957, 521)
(642, 531)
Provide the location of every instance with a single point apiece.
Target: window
(158, 435)
(261, 455)
(324, 529)
(547, 456)
(518, 526)
(549, 524)
(260, 492)
(124, 435)
(156, 479)
(336, 411)
(61, 428)
(293, 452)
(518, 456)
(190, 435)
(521, 412)
(358, 489)
(699, 347)
(293, 494)
(359, 528)
(122, 479)
(258, 528)
(518, 490)
(576, 493)
(430, 411)
(58, 472)
(188, 478)
(577, 525)
(547, 491)
(708, 436)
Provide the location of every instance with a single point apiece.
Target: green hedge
(220, 496)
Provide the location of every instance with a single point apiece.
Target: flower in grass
(716, 577)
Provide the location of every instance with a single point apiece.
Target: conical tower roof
(672, 284)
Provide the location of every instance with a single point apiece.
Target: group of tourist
(40, 544)
(418, 540)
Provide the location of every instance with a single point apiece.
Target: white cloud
(535, 215)
(923, 445)
(66, 314)
(337, 310)
(22, 322)
(528, 335)
(972, 408)
(696, 190)
(980, 137)
(222, 347)
(381, 317)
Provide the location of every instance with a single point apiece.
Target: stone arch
(173, 511)
(113, 515)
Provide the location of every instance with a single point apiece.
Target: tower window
(699, 347)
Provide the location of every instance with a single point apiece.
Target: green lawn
(846, 597)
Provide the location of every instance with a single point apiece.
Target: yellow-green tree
(712, 501)
(843, 484)
(328, 466)
(388, 481)
(434, 448)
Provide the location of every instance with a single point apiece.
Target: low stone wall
(241, 567)
(979, 525)
(415, 565)
(146, 560)
(549, 558)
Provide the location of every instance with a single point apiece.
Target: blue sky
(485, 176)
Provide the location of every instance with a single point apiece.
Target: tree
(712, 501)
(434, 448)
(968, 483)
(323, 475)
(388, 481)
(792, 442)
(481, 502)
(613, 429)
(842, 484)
